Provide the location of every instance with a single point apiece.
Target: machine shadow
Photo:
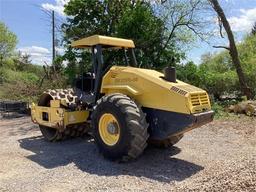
(84, 154)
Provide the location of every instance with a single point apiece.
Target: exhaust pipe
(170, 74)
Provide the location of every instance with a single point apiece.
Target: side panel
(48, 116)
(149, 89)
(56, 117)
(75, 117)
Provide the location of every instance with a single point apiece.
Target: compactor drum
(124, 107)
(69, 99)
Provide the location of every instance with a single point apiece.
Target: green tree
(219, 75)
(189, 73)
(86, 18)
(128, 19)
(8, 41)
(232, 48)
(148, 32)
(247, 53)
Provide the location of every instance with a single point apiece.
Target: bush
(216, 73)
(11, 76)
(24, 85)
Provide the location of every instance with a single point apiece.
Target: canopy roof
(104, 41)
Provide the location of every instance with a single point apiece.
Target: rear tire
(132, 127)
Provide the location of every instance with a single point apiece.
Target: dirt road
(218, 157)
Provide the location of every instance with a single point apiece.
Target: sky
(32, 25)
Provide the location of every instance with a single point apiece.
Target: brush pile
(244, 107)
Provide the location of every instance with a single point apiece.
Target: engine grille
(199, 99)
(180, 91)
(184, 89)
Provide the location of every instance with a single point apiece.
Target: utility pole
(53, 40)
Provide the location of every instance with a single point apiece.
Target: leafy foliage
(19, 79)
(127, 19)
(247, 50)
(216, 73)
(8, 42)
(87, 18)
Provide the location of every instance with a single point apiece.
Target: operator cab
(89, 84)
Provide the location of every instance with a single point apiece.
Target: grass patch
(25, 85)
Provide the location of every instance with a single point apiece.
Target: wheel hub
(109, 129)
(112, 128)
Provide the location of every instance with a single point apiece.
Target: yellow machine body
(105, 41)
(178, 106)
(56, 116)
(149, 89)
(171, 108)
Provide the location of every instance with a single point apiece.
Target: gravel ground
(220, 156)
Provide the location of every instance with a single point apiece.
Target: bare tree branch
(222, 47)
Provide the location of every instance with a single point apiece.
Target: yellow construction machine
(124, 107)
